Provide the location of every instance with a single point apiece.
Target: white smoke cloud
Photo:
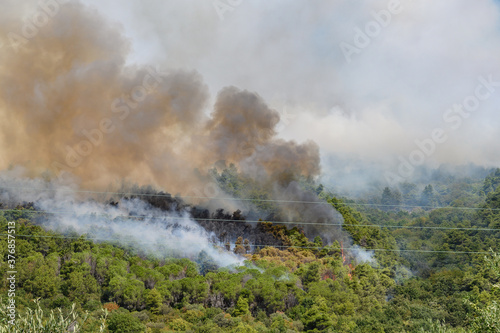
(132, 222)
(362, 256)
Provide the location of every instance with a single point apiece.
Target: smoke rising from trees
(79, 116)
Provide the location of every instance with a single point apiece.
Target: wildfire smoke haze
(77, 115)
(90, 115)
(174, 90)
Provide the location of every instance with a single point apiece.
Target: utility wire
(243, 199)
(258, 221)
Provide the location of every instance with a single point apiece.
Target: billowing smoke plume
(78, 110)
(73, 111)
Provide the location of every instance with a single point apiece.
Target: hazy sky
(393, 91)
(364, 91)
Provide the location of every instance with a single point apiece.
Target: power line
(247, 199)
(385, 250)
(198, 219)
(263, 245)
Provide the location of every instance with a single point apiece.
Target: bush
(61, 301)
(179, 324)
(40, 322)
(123, 322)
(143, 315)
(92, 305)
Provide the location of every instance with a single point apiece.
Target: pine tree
(241, 308)
(154, 301)
(239, 249)
(428, 198)
(246, 245)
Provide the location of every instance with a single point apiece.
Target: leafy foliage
(300, 283)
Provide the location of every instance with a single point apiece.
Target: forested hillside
(249, 166)
(429, 270)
